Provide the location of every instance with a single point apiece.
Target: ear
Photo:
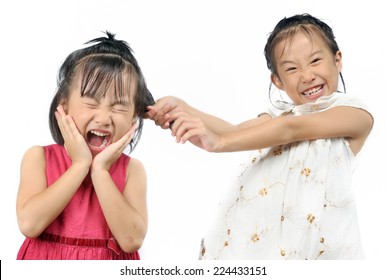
(338, 60)
(64, 103)
(276, 81)
(135, 118)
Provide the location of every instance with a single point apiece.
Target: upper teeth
(98, 133)
(312, 91)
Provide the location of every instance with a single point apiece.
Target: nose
(307, 76)
(103, 117)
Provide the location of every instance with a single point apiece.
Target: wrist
(99, 168)
(98, 173)
(220, 144)
(81, 167)
(227, 142)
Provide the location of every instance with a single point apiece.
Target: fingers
(149, 112)
(160, 114)
(118, 147)
(192, 129)
(126, 138)
(74, 142)
(110, 154)
(185, 127)
(67, 125)
(190, 134)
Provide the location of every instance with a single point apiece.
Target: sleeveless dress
(80, 231)
(293, 201)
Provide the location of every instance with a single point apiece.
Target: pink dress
(80, 232)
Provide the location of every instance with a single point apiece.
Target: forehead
(98, 83)
(299, 44)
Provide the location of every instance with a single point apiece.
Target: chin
(96, 150)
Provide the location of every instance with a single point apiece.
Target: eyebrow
(312, 54)
(121, 102)
(115, 102)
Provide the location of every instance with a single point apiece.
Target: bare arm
(125, 213)
(169, 108)
(37, 205)
(351, 123)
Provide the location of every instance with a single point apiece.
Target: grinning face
(306, 68)
(100, 121)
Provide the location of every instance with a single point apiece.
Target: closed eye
(90, 102)
(121, 107)
(316, 60)
(289, 69)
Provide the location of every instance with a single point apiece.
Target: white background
(209, 53)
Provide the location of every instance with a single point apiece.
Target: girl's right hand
(193, 129)
(162, 110)
(74, 142)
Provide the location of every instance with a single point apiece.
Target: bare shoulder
(136, 183)
(135, 165)
(35, 154)
(136, 171)
(32, 176)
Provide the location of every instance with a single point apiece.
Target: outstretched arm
(351, 123)
(169, 108)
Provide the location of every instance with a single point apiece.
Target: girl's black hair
(287, 27)
(105, 62)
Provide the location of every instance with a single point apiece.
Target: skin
(126, 214)
(306, 71)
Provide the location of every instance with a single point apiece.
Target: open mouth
(98, 140)
(313, 92)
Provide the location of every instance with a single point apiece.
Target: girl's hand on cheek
(74, 142)
(109, 155)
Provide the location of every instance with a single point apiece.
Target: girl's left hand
(108, 156)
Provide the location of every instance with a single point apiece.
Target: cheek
(122, 125)
(287, 85)
(80, 119)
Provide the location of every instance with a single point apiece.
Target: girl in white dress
(294, 198)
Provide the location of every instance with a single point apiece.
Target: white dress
(293, 201)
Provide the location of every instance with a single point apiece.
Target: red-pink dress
(80, 232)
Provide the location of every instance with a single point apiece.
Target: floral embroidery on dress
(293, 201)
